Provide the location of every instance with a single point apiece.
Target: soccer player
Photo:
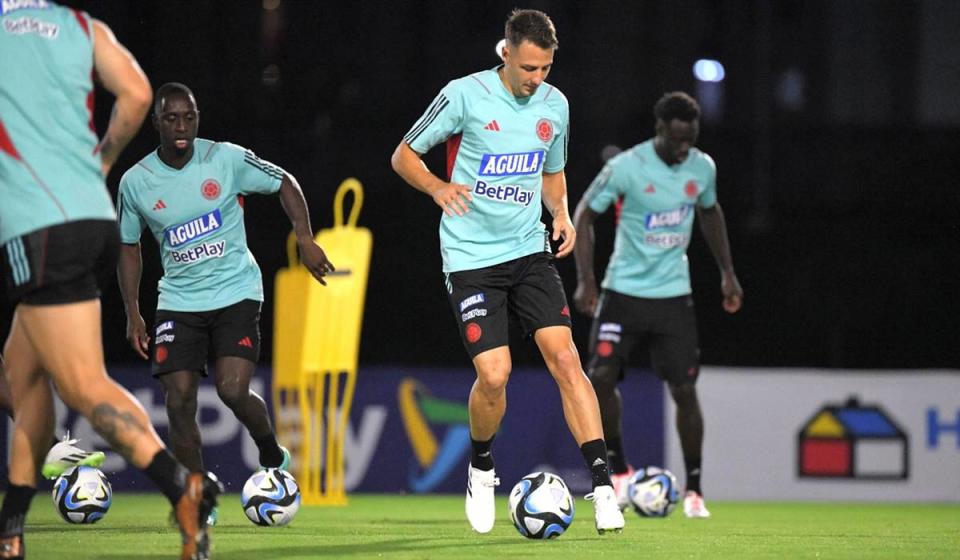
(58, 237)
(507, 131)
(188, 192)
(646, 290)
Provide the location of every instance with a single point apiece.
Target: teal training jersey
(196, 217)
(49, 171)
(498, 145)
(655, 220)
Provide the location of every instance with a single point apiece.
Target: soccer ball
(270, 497)
(541, 506)
(82, 495)
(652, 492)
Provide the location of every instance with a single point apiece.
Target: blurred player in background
(58, 236)
(656, 186)
(188, 193)
(507, 132)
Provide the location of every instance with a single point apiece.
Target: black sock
(169, 475)
(270, 454)
(692, 465)
(16, 502)
(618, 462)
(480, 456)
(594, 453)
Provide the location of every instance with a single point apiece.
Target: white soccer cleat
(66, 454)
(481, 509)
(621, 483)
(606, 512)
(694, 507)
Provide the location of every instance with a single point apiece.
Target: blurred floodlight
(708, 70)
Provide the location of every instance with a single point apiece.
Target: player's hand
(137, 335)
(453, 198)
(732, 292)
(315, 259)
(585, 297)
(563, 229)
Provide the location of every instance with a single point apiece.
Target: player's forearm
(125, 120)
(555, 194)
(583, 219)
(408, 165)
(129, 271)
(714, 228)
(295, 205)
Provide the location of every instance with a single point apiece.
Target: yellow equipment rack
(315, 351)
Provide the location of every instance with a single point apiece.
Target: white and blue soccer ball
(271, 497)
(82, 495)
(653, 492)
(541, 506)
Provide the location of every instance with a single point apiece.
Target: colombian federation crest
(210, 189)
(691, 189)
(545, 130)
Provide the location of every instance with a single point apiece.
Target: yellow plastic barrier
(315, 350)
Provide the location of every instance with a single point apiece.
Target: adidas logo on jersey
(650, 189)
(159, 205)
(245, 341)
(492, 125)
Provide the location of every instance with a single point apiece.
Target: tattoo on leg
(112, 425)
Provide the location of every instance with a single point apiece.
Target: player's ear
(660, 128)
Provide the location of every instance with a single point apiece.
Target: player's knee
(232, 394)
(181, 403)
(684, 395)
(604, 379)
(564, 363)
(493, 381)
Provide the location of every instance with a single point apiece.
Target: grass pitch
(424, 527)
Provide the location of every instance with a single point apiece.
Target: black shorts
(65, 263)
(667, 327)
(527, 290)
(185, 340)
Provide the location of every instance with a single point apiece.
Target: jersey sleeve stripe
(426, 122)
(266, 167)
(426, 115)
(121, 202)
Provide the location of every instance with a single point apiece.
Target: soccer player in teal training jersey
(187, 192)
(506, 131)
(658, 186)
(58, 238)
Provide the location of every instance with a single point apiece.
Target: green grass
(423, 527)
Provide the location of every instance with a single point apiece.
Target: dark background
(835, 132)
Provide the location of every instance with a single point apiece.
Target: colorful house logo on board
(853, 441)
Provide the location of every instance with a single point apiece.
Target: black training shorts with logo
(64, 263)
(527, 289)
(185, 340)
(667, 327)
